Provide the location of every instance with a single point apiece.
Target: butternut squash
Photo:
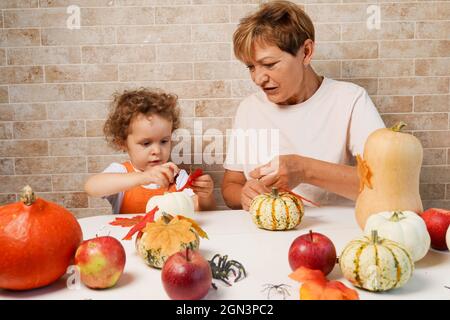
(389, 173)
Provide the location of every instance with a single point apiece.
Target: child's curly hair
(129, 104)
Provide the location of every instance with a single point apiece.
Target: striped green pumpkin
(376, 264)
(276, 210)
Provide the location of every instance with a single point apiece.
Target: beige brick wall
(55, 82)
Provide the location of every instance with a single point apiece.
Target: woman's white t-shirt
(332, 125)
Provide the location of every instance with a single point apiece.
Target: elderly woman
(323, 123)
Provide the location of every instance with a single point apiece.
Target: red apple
(186, 275)
(447, 237)
(314, 251)
(437, 222)
(101, 262)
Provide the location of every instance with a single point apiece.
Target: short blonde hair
(280, 23)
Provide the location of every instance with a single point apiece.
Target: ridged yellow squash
(389, 173)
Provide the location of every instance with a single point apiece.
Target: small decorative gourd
(389, 173)
(164, 237)
(172, 203)
(404, 227)
(376, 264)
(276, 210)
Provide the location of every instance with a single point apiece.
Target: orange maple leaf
(168, 237)
(364, 173)
(195, 226)
(317, 287)
(303, 274)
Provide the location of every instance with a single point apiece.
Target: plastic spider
(280, 289)
(222, 268)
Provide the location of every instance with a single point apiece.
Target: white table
(263, 253)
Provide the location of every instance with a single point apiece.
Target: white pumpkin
(447, 238)
(174, 203)
(404, 227)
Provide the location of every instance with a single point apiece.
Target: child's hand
(162, 175)
(203, 186)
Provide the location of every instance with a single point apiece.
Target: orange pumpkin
(38, 240)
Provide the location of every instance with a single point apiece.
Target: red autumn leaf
(197, 173)
(127, 222)
(149, 217)
(300, 197)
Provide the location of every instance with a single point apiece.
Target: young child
(141, 124)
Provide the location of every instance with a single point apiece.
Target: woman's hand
(203, 186)
(162, 175)
(283, 172)
(250, 190)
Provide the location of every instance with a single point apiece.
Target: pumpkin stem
(396, 216)
(398, 126)
(166, 217)
(275, 192)
(375, 239)
(187, 255)
(27, 196)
